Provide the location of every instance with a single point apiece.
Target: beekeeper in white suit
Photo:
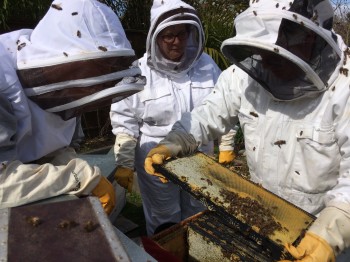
(289, 88)
(74, 60)
(179, 76)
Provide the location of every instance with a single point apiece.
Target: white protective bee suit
(142, 120)
(27, 131)
(295, 120)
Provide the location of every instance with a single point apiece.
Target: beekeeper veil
(165, 13)
(77, 59)
(287, 46)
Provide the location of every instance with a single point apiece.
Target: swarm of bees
(67, 224)
(89, 226)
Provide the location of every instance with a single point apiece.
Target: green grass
(133, 211)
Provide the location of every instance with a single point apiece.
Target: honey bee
(34, 221)
(102, 48)
(78, 34)
(333, 88)
(276, 50)
(58, 7)
(347, 51)
(301, 133)
(65, 54)
(75, 13)
(315, 16)
(344, 71)
(277, 5)
(255, 13)
(253, 114)
(184, 179)
(295, 16)
(279, 143)
(19, 47)
(67, 224)
(89, 226)
(297, 172)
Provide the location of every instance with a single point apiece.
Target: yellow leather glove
(105, 192)
(125, 177)
(157, 155)
(226, 157)
(312, 248)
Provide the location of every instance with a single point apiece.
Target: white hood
(73, 30)
(77, 58)
(165, 13)
(276, 34)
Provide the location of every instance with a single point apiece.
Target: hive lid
(72, 230)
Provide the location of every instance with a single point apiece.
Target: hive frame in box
(206, 179)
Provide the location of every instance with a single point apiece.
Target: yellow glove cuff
(225, 157)
(105, 192)
(125, 177)
(312, 248)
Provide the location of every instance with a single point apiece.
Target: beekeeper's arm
(329, 235)
(227, 146)
(214, 118)
(25, 183)
(126, 129)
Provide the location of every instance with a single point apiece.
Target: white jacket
(172, 87)
(38, 132)
(27, 131)
(297, 149)
(289, 88)
(151, 113)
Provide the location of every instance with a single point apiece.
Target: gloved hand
(125, 177)
(226, 157)
(157, 155)
(312, 248)
(105, 192)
